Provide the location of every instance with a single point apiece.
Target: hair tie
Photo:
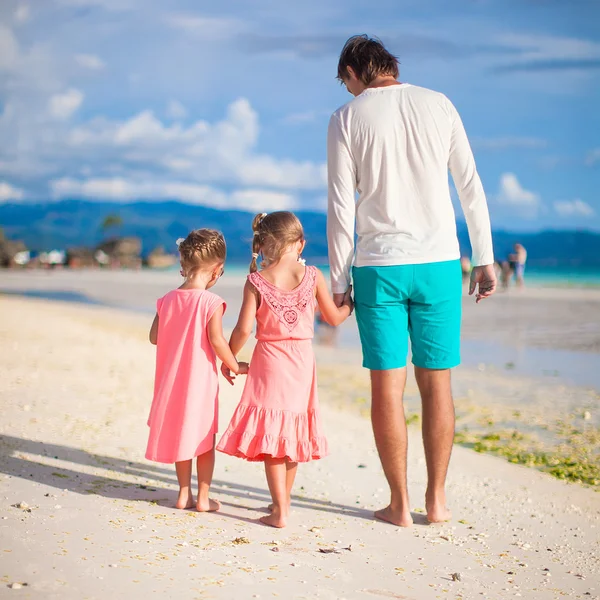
(254, 255)
(179, 241)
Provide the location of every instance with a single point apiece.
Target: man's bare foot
(435, 505)
(208, 505)
(275, 519)
(438, 513)
(271, 507)
(401, 518)
(184, 500)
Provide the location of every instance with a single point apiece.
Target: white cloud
(309, 116)
(593, 157)
(90, 61)
(512, 193)
(509, 142)
(223, 151)
(121, 189)
(108, 5)
(260, 200)
(207, 27)
(9, 49)
(536, 47)
(62, 106)
(9, 192)
(572, 208)
(266, 170)
(176, 110)
(22, 13)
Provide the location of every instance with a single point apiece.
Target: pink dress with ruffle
(278, 414)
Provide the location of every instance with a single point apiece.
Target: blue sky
(226, 104)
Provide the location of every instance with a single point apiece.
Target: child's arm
(220, 345)
(243, 329)
(331, 314)
(154, 330)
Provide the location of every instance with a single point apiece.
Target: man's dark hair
(368, 59)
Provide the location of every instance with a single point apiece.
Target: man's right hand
(483, 279)
(338, 299)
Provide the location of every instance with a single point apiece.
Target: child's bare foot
(275, 519)
(184, 500)
(208, 505)
(399, 517)
(437, 511)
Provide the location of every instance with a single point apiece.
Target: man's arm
(470, 192)
(341, 180)
(472, 199)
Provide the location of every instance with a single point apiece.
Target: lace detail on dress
(288, 306)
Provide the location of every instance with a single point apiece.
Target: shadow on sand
(132, 481)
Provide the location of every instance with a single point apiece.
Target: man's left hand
(483, 279)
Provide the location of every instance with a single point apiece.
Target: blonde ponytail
(273, 235)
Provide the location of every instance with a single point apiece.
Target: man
(393, 145)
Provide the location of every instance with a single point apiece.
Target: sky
(226, 104)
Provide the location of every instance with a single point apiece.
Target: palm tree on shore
(112, 221)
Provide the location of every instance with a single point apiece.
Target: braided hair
(201, 248)
(274, 233)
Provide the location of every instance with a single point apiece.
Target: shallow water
(564, 366)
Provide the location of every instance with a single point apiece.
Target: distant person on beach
(277, 420)
(506, 268)
(517, 262)
(393, 144)
(188, 333)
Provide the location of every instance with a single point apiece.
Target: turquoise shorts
(423, 302)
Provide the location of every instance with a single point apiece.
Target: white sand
(75, 388)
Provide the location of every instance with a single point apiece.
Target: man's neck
(383, 81)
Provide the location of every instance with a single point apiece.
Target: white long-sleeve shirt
(394, 145)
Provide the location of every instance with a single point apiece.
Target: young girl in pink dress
(277, 419)
(188, 332)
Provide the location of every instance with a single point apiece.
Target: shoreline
(549, 333)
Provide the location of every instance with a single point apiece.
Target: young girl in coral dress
(277, 420)
(188, 332)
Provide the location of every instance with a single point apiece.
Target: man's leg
(382, 317)
(438, 437)
(389, 428)
(434, 318)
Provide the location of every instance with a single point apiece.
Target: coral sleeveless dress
(184, 414)
(278, 414)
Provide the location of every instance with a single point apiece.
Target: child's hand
(226, 372)
(243, 370)
(348, 300)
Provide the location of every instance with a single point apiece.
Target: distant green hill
(78, 223)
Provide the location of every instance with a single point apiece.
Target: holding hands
(230, 375)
